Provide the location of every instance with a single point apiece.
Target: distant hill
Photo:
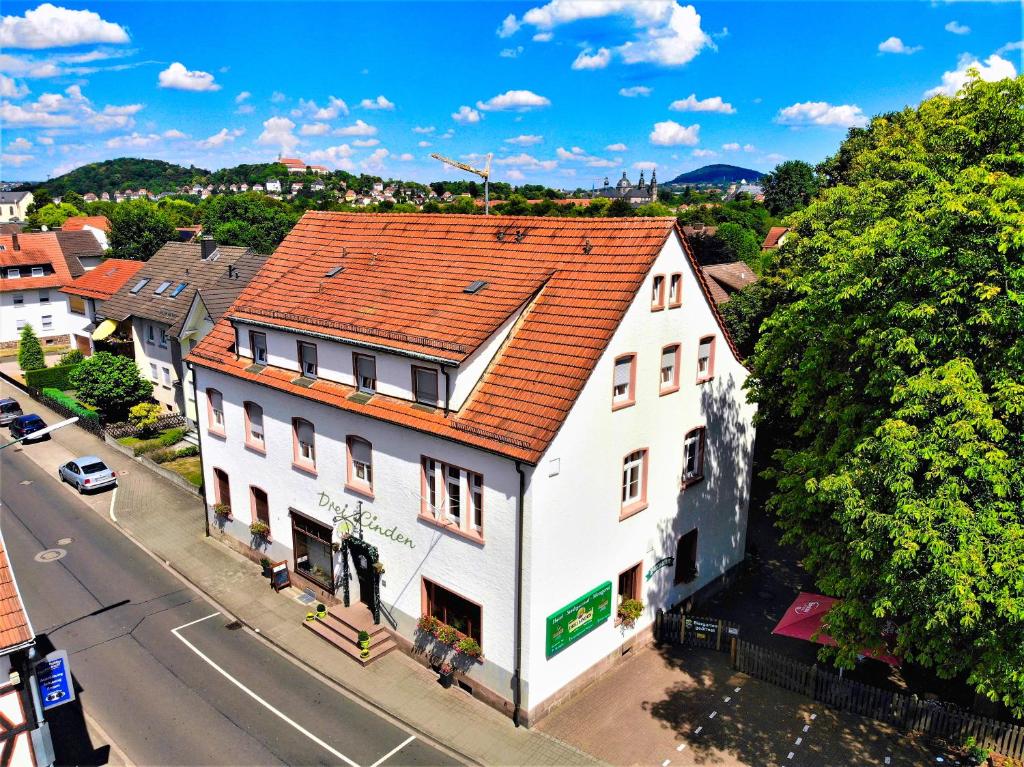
(717, 174)
(123, 173)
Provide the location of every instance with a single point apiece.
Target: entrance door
(364, 574)
(83, 345)
(223, 489)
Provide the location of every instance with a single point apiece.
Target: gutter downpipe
(517, 690)
(447, 391)
(199, 438)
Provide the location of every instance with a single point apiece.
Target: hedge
(171, 437)
(71, 404)
(165, 456)
(57, 377)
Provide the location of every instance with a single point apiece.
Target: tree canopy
(138, 229)
(52, 216)
(893, 370)
(789, 187)
(248, 220)
(111, 383)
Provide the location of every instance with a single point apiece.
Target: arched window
(254, 435)
(304, 438)
(215, 411)
(360, 464)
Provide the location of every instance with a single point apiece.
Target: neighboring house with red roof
(295, 165)
(426, 395)
(33, 269)
(724, 280)
(776, 237)
(98, 226)
(87, 293)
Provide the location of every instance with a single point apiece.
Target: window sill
(691, 482)
(622, 405)
(675, 306)
(256, 448)
(705, 380)
(658, 308)
(216, 433)
(363, 490)
(448, 527)
(670, 390)
(632, 510)
(304, 468)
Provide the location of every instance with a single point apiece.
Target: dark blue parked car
(24, 425)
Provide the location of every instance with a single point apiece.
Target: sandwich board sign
(54, 677)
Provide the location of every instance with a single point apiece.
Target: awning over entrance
(105, 329)
(803, 619)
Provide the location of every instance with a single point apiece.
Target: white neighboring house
(33, 269)
(153, 306)
(87, 293)
(273, 186)
(521, 421)
(97, 226)
(14, 206)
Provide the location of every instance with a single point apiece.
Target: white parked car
(87, 473)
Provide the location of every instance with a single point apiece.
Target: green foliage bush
(30, 352)
(71, 357)
(111, 383)
(144, 416)
(71, 404)
(168, 438)
(58, 377)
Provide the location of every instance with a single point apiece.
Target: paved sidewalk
(169, 523)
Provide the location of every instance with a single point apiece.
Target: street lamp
(41, 432)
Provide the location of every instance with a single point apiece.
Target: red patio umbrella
(803, 619)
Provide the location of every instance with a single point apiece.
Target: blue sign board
(54, 677)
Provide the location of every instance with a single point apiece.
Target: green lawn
(133, 441)
(189, 468)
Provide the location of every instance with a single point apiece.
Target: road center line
(323, 744)
(394, 751)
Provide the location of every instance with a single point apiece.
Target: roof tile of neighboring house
(105, 280)
(10, 228)
(221, 294)
(34, 249)
(15, 629)
(726, 279)
(175, 262)
(403, 287)
(74, 244)
(77, 223)
(774, 235)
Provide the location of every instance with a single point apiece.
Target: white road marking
(737, 689)
(666, 763)
(790, 756)
(697, 731)
(813, 717)
(727, 698)
(680, 747)
(798, 741)
(712, 715)
(113, 500)
(807, 727)
(887, 760)
(323, 744)
(394, 751)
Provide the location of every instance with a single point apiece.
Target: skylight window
(162, 287)
(178, 288)
(140, 285)
(334, 271)
(475, 287)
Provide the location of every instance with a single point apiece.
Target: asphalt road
(167, 677)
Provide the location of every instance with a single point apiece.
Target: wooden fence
(694, 631)
(906, 712)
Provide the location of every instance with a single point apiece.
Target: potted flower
(310, 617)
(427, 624)
(629, 611)
(321, 611)
(222, 511)
(468, 647)
(260, 529)
(447, 674)
(446, 634)
(266, 565)
(364, 644)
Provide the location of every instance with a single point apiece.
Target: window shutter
(366, 367)
(304, 431)
(426, 385)
(360, 449)
(255, 416)
(705, 348)
(668, 357)
(623, 368)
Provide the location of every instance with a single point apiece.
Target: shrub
(259, 528)
(30, 353)
(161, 456)
(446, 634)
(144, 416)
(71, 357)
(71, 404)
(187, 452)
(168, 438)
(110, 382)
(468, 647)
(427, 624)
(57, 377)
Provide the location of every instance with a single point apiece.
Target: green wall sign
(578, 618)
(660, 564)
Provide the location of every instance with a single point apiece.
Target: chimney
(207, 248)
(14, 241)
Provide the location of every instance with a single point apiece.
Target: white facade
(14, 206)
(46, 309)
(156, 354)
(576, 535)
(195, 327)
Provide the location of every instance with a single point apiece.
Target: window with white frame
(20, 324)
(366, 372)
(623, 381)
(215, 405)
(693, 455)
(254, 425)
(476, 502)
(307, 359)
(706, 359)
(305, 442)
(425, 385)
(360, 469)
(13, 274)
(154, 372)
(167, 376)
(453, 495)
(258, 342)
(634, 481)
(669, 379)
(37, 271)
(658, 292)
(675, 290)
(47, 322)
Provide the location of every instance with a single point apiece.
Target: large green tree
(249, 220)
(789, 187)
(111, 383)
(893, 374)
(52, 216)
(138, 229)
(30, 351)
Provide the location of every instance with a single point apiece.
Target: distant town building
(776, 236)
(273, 185)
(14, 205)
(97, 226)
(636, 195)
(725, 280)
(295, 165)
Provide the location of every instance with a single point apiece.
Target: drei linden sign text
(578, 618)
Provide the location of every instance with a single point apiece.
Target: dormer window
(37, 271)
(13, 274)
(366, 372)
(258, 342)
(307, 359)
(425, 385)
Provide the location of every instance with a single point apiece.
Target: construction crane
(485, 174)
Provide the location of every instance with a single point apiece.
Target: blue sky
(563, 92)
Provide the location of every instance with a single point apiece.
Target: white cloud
(671, 133)
(620, 147)
(126, 109)
(47, 140)
(277, 97)
(9, 89)
(406, 157)
(174, 134)
(49, 26)
(423, 144)
(245, 109)
(336, 156)
(527, 162)
(732, 146)
(511, 53)
(366, 142)
(310, 109)
(135, 140)
(515, 175)
(822, 113)
(895, 45)
(1019, 45)
(667, 33)
(466, 115)
(176, 76)
(20, 144)
(774, 157)
(358, 128)
(542, 37)
(375, 161)
(635, 90)
(315, 129)
(524, 140)
(447, 134)
(16, 160)
(645, 166)
(378, 103)
(242, 97)
(509, 26)
(578, 154)
(692, 104)
(704, 153)
(225, 136)
(598, 60)
(957, 28)
(278, 131)
(516, 100)
(424, 129)
(995, 68)
(64, 110)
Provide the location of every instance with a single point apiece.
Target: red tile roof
(403, 287)
(34, 249)
(726, 279)
(291, 161)
(15, 629)
(75, 223)
(774, 235)
(105, 280)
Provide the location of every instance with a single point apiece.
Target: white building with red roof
(295, 165)
(97, 226)
(509, 428)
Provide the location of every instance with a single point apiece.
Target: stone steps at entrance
(341, 628)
